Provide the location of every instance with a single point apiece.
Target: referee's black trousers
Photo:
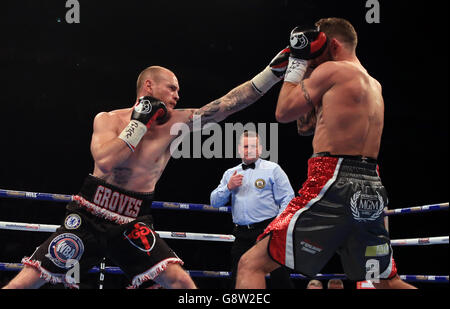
(245, 238)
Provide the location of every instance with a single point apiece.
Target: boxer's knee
(183, 281)
(175, 277)
(257, 259)
(249, 263)
(245, 263)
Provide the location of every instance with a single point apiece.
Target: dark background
(55, 77)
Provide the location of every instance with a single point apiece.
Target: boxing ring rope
(225, 274)
(17, 226)
(64, 198)
(215, 237)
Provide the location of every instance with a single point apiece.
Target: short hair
(316, 283)
(335, 282)
(339, 28)
(250, 134)
(151, 72)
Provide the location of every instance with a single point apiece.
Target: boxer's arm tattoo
(234, 101)
(306, 124)
(306, 95)
(208, 110)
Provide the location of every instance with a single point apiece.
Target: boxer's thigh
(139, 251)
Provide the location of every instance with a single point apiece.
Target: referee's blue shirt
(264, 193)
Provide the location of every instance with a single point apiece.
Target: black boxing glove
(146, 111)
(149, 109)
(307, 44)
(304, 45)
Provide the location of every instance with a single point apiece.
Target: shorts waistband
(111, 202)
(348, 157)
(351, 165)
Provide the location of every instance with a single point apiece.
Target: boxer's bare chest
(143, 168)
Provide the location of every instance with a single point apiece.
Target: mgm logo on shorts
(366, 207)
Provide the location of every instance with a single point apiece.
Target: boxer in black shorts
(340, 207)
(104, 220)
(131, 148)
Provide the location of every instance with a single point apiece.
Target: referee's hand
(235, 181)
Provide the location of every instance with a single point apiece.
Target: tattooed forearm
(240, 97)
(208, 110)
(306, 124)
(235, 100)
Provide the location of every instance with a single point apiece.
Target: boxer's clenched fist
(307, 43)
(304, 45)
(146, 111)
(273, 73)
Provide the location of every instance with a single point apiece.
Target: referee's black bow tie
(245, 166)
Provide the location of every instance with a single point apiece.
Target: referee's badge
(260, 183)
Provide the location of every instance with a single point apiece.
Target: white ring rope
(33, 227)
(16, 226)
(440, 240)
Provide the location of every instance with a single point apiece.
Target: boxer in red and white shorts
(340, 207)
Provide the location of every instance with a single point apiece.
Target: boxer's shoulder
(112, 118)
(114, 114)
(341, 72)
(327, 72)
(329, 66)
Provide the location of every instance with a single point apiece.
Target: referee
(259, 191)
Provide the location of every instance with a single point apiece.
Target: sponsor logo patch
(64, 247)
(299, 41)
(141, 237)
(309, 247)
(380, 250)
(72, 222)
(143, 106)
(366, 207)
